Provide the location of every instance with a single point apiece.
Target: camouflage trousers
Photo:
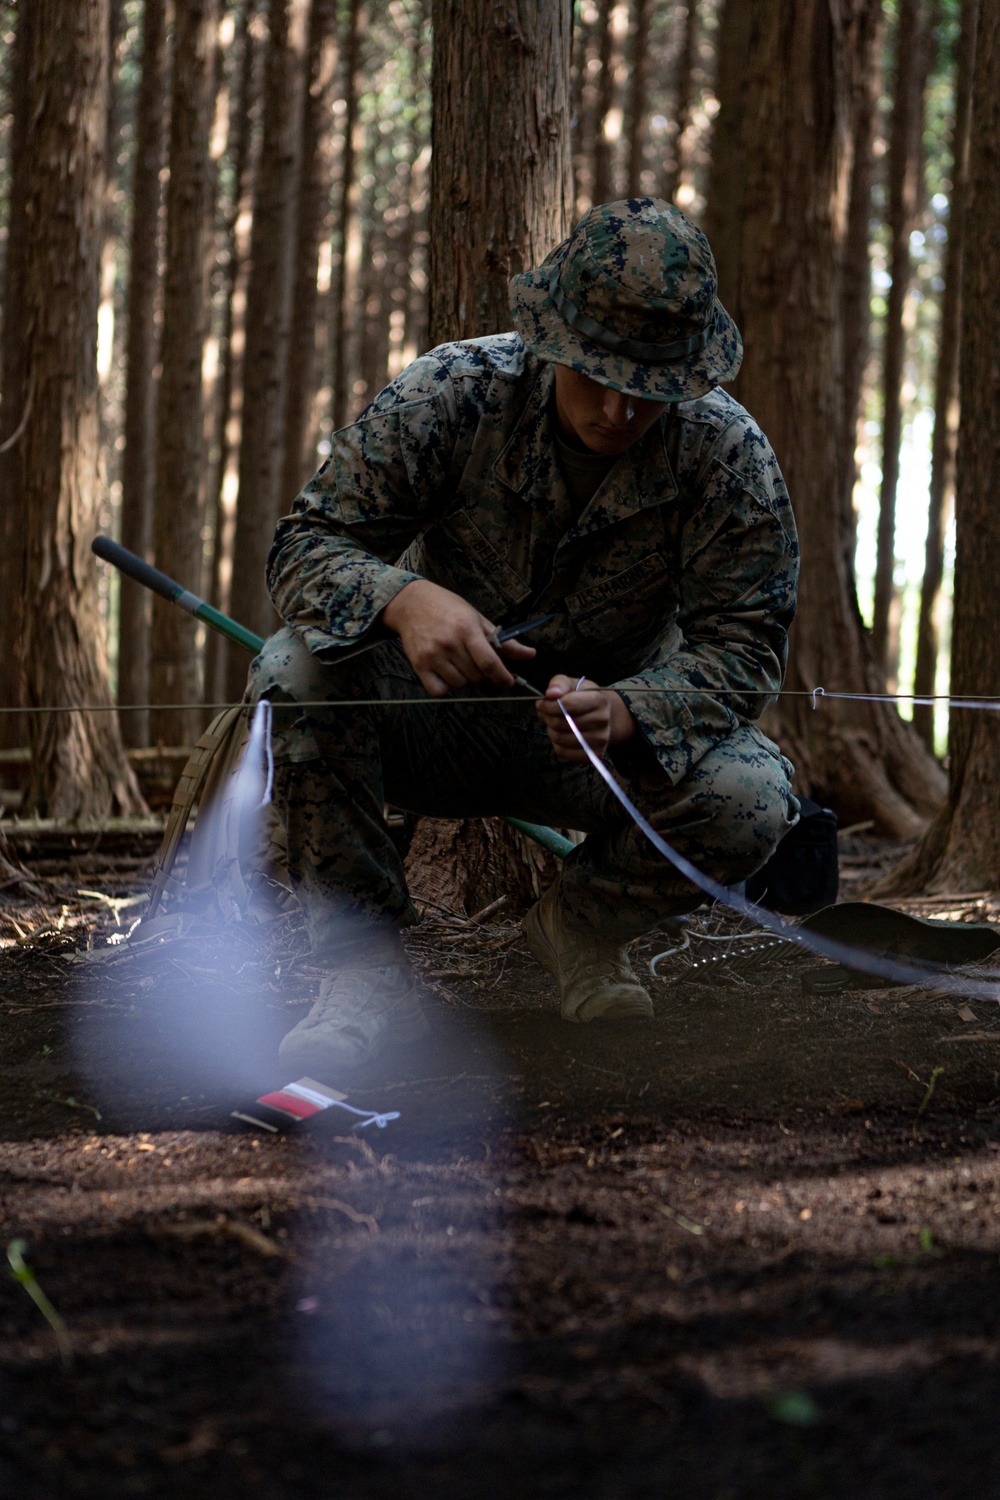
(336, 767)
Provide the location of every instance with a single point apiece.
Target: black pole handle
(136, 567)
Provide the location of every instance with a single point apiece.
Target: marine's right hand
(447, 640)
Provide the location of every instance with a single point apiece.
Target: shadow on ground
(751, 1248)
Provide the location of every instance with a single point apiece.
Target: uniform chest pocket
(471, 565)
(637, 601)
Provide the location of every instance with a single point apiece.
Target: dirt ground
(751, 1248)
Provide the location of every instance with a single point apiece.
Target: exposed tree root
(14, 874)
(867, 764)
(961, 848)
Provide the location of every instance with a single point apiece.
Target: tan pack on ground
(236, 867)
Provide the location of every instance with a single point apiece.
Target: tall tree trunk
(229, 392)
(174, 667)
(581, 111)
(373, 362)
(962, 847)
(346, 206)
(905, 158)
(17, 388)
(787, 174)
(604, 157)
(79, 767)
(684, 98)
(113, 230)
(315, 183)
(642, 11)
(408, 196)
(946, 386)
(135, 606)
(226, 79)
(269, 306)
(856, 320)
(500, 173)
(501, 191)
(415, 321)
(725, 210)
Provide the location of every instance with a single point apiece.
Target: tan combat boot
(361, 1010)
(595, 978)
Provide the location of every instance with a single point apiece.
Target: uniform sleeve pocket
(730, 549)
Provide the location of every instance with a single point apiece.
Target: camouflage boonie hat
(630, 300)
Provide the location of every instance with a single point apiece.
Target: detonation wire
(987, 704)
(923, 975)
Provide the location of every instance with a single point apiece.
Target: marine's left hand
(602, 717)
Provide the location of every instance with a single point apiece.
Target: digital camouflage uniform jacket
(679, 573)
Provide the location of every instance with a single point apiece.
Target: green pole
(175, 593)
(547, 837)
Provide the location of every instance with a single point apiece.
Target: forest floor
(750, 1248)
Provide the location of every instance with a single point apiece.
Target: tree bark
(905, 159)
(229, 391)
(174, 668)
(501, 195)
(684, 98)
(79, 767)
(314, 223)
(135, 606)
(501, 179)
(409, 197)
(346, 206)
(962, 847)
(642, 12)
(415, 324)
(373, 288)
(856, 319)
(604, 157)
(581, 111)
(226, 80)
(269, 305)
(17, 389)
(465, 864)
(113, 232)
(946, 383)
(787, 175)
